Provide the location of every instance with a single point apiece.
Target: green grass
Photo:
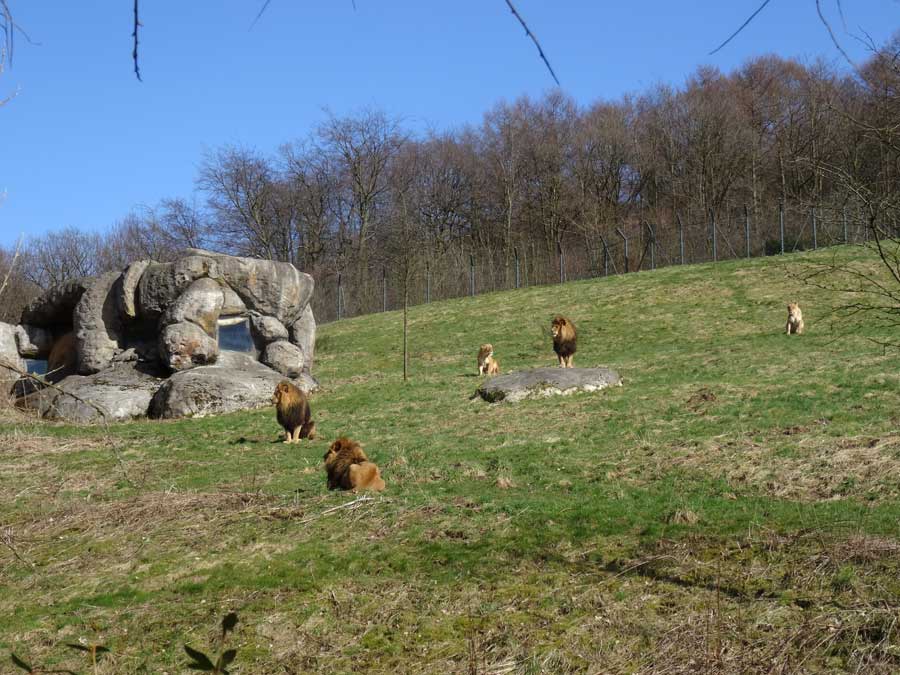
(733, 507)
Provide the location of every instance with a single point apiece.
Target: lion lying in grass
(349, 468)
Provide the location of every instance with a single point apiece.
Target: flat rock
(236, 382)
(123, 391)
(541, 382)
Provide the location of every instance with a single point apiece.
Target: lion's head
(562, 329)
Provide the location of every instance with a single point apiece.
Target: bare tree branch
(742, 26)
(534, 39)
(134, 34)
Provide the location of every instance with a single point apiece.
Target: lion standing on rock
(794, 320)
(349, 468)
(293, 413)
(564, 340)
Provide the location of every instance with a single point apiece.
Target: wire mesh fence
(737, 231)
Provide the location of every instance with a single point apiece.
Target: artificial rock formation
(129, 337)
(540, 382)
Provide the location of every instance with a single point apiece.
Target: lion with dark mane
(564, 340)
(349, 468)
(293, 413)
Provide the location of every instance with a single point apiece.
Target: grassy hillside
(733, 508)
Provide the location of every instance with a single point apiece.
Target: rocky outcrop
(284, 357)
(127, 332)
(33, 342)
(236, 382)
(10, 360)
(303, 334)
(541, 382)
(98, 324)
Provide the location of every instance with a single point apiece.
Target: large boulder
(55, 305)
(266, 329)
(541, 382)
(273, 288)
(200, 303)
(121, 392)
(11, 364)
(33, 342)
(185, 345)
(236, 382)
(303, 334)
(284, 357)
(97, 324)
(162, 283)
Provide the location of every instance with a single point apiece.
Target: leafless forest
(709, 169)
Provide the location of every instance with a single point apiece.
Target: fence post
(715, 244)
(624, 239)
(844, 219)
(340, 296)
(781, 223)
(652, 246)
(815, 230)
(747, 228)
(383, 289)
(680, 236)
(472, 275)
(605, 255)
(562, 263)
(516, 253)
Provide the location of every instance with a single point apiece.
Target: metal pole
(383, 289)
(605, 256)
(624, 239)
(340, 295)
(680, 236)
(472, 275)
(781, 223)
(516, 252)
(562, 263)
(715, 244)
(747, 228)
(652, 247)
(815, 230)
(844, 218)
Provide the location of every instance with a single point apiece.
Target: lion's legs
(799, 327)
(295, 437)
(569, 361)
(788, 328)
(562, 361)
(287, 436)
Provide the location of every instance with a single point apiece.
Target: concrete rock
(236, 382)
(54, 306)
(200, 303)
(33, 342)
(123, 391)
(266, 329)
(185, 345)
(161, 283)
(128, 295)
(273, 288)
(303, 334)
(9, 354)
(97, 324)
(541, 382)
(284, 357)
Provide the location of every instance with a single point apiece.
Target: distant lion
(795, 319)
(62, 358)
(349, 468)
(487, 364)
(293, 413)
(564, 340)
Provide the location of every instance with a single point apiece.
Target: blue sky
(84, 142)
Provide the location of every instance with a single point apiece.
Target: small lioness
(795, 319)
(349, 468)
(487, 364)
